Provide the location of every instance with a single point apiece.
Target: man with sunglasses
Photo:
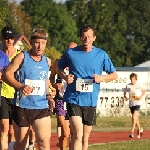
(7, 92)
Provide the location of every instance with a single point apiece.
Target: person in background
(135, 94)
(60, 106)
(7, 92)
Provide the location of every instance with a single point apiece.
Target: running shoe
(131, 135)
(139, 134)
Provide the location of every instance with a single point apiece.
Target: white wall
(111, 100)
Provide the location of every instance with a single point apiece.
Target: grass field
(116, 124)
(113, 123)
(129, 145)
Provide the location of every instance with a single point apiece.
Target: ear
(80, 38)
(94, 38)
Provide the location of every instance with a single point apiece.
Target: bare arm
(8, 74)
(105, 78)
(47, 80)
(62, 74)
(53, 73)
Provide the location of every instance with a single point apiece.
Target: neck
(9, 51)
(34, 56)
(86, 49)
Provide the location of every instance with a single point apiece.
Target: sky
(18, 1)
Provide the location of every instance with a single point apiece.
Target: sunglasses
(7, 38)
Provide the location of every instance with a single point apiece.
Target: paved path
(104, 137)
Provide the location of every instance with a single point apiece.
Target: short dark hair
(133, 75)
(85, 28)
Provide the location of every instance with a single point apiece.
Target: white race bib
(65, 108)
(84, 85)
(37, 85)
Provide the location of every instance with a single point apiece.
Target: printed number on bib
(84, 85)
(37, 85)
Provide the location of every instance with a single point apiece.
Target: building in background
(20, 43)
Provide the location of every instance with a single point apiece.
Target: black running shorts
(6, 109)
(87, 113)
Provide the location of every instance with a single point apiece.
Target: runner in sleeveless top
(86, 63)
(60, 85)
(31, 132)
(32, 92)
(136, 93)
(7, 92)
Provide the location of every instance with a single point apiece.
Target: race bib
(37, 85)
(84, 85)
(65, 108)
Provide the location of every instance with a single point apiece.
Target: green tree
(54, 18)
(122, 27)
(138, 24)
(52, 53)
(3, 12)
(18, 19)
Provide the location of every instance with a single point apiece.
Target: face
(59, 86)
(8, 42)
(133, 80)
(87, 39)
(38, 46)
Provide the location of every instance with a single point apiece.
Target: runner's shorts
(6, 109)
(133, 108)
(25, 117)
(87, 113)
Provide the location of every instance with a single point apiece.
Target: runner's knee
(45, 142)
(4, 127)
(78, 135)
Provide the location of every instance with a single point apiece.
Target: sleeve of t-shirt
(63, 62)
(142, 88)
(6, 61)
(108, 66)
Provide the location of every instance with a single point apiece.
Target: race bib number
(84, 85)
(37, 85)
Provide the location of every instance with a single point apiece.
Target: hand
(127, 99)
(26, 90)
(97, 78)
(69, 78)
(51, 104)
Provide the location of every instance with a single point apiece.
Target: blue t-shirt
(83, 65)
(4, 60)
(34, 74)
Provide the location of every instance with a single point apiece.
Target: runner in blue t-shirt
(4, 61)
(86, 63)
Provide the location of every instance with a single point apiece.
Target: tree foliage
(54, 18)
(18, 19)
(3, 12)
(122, 27)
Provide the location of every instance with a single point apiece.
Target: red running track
(104, 137)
